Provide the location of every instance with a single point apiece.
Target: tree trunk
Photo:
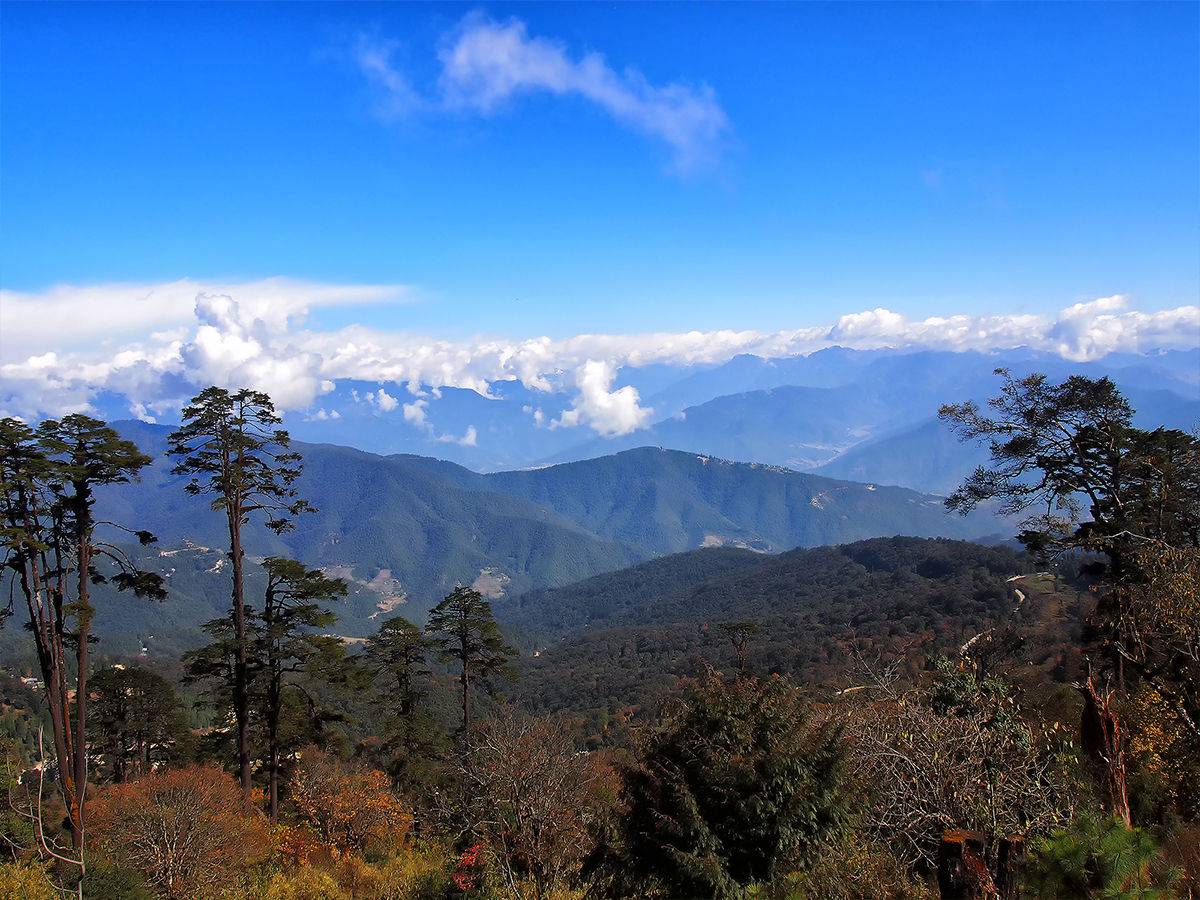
(241, 692)
(466, 686)
(274, 701)
(44, 611)
(273, 765)
(1102, 739)
(81, 657)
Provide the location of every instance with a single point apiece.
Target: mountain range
(403, 530)
(854, 414)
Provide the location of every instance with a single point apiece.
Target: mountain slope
(404, 530)
(614, 646)
(404, 536)
(711, 586)
(671, 501)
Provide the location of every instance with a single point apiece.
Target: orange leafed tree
(189, 831)
(352, 808)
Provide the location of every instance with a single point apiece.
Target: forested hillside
(404, 530)
(621, 640)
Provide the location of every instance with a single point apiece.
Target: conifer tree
(52, 549)
(739, 784)
(1070, 454)
(137, 721)
(463, 627)
(395, 657)
(289, 639)
(230, 447)
(285, 642)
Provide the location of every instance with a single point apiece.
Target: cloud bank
(486, 65)
(258, 335)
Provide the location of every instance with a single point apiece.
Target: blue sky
(518, 171)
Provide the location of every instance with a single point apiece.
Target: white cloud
(386, 401)
(88, 316)
(469, 438)
(394, 96)
(234, 338)
(140, 412)
(608, 412)
(485, 64)
(324, 415)
(415, 412)
(235, 346)
(1093, 329)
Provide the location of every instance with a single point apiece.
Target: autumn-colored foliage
(28, 881)
(532, 798)
(469, 868)
(187, 830)
(351, 808)
(294, 845)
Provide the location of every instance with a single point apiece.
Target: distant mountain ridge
(835, 411)
(860, 415)
(404, 530)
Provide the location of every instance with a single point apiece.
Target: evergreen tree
(231, 449)
(53, 554)
(463, 627)
(282, 641)
(396, 657)
(740, 787)
(1058, 448)
(137, 721)
(288, 641)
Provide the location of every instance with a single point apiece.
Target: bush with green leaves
(742, 786)
(1096, 858)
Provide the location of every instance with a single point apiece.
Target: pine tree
(137, 721)
(285, 645)
(288, 641)
(1102, 858)
(463, 627)
(737, 786)
(53, 553)
(231, 449)
(1070, 454)
(396, 658)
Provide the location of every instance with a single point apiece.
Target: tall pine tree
(463, 627)
(229, 445)
(53, 553)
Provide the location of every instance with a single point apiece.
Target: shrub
(28, 881)
(352, 808)
(305, 883)
(531, 799)
(855, 868)
(188, 831)
(421, 873)
(739, 787)
(106, 881)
